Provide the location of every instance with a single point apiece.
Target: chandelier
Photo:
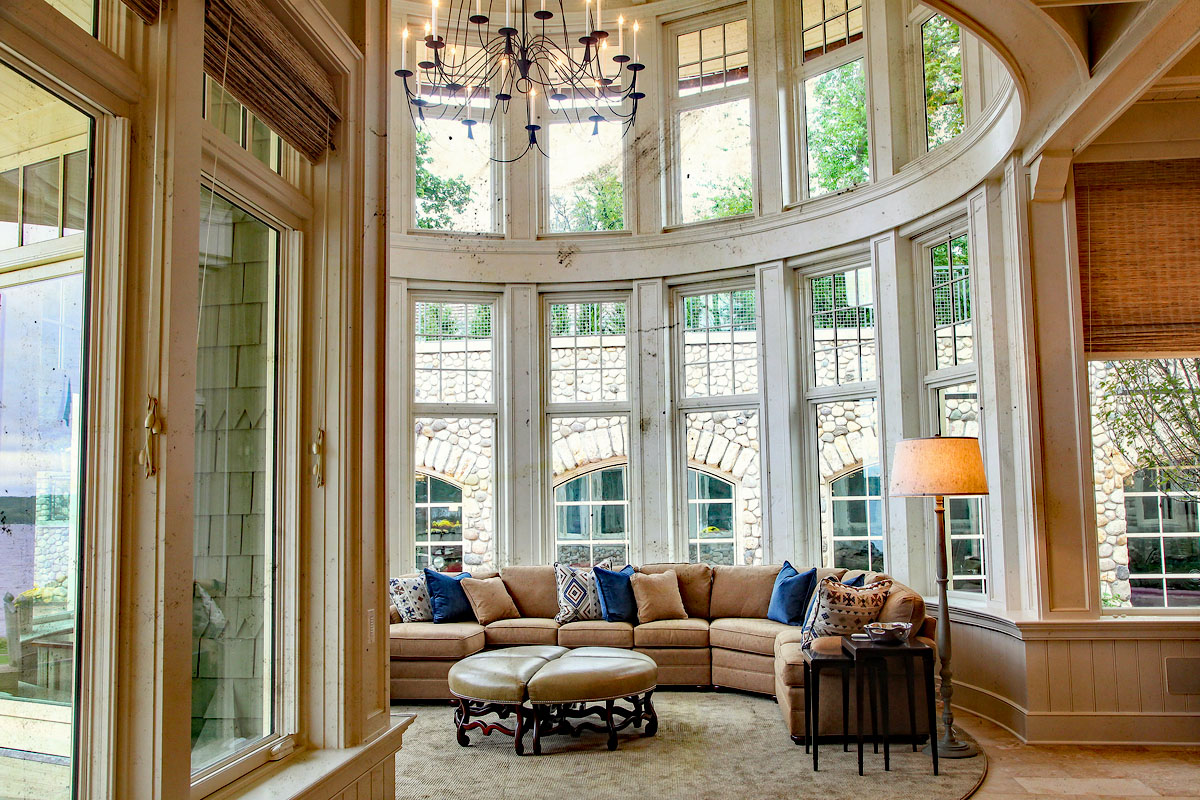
(469, 72)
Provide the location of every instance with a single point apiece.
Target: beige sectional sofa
(727, 641)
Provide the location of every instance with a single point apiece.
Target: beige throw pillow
(657, 596)
(489, 599)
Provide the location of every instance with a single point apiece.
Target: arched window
(711, 532)
(590, 518)
(439, 524)
(857, 512)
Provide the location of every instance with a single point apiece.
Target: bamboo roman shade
(270, 72)
(1139, 257)
(146, 9)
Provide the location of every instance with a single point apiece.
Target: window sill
(329, 771)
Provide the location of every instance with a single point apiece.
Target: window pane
(40, 196)
(453, 352)
(75, 191)
(586, 175)
(829, 25)
(588, 345)
(724, 478)
(849, 488)
(720, 344)
(714, 162)
(1147, 485)
(234, 545)
(454, 176)
(954, 340)
(453, 455)
(835, 105)
(244, 128)
(590, 502)
(941, 47)
(843, 327)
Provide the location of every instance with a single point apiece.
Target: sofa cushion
(596, 632)
(741, 591)
(842, 609)
(789, 596)
(576, 589)
(410, 598)
(524, 630)
(489, 600)
(658, 596)
(689, 632)
(695, 585)
(433, 640)
(447, 598)
(617, 603)
(533, 589)
(903, 605)
(745, 635)
(789, 664)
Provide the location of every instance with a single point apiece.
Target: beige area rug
(723, 745)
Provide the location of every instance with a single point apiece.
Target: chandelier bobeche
(470, 73)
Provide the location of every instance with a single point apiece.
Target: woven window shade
(1139, 257)
(146, 9)
(271, 73)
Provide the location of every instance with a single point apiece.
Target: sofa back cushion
(533, 589)
(695, 585)
(903, 605)
(739, 591)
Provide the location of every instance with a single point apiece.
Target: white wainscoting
(1095, 681)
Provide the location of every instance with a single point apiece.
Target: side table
(816, 662)
(869, 656)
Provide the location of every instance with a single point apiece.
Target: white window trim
(676, 105)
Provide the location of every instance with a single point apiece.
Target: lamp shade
(938, 465)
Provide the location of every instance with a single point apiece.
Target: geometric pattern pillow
(578, 599)
(410, 596)
(841, 610)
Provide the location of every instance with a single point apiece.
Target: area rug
(723, 745)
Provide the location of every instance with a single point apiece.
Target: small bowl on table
(888, 632)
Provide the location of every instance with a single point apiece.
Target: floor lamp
(941, 467)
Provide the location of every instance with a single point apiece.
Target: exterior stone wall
(1110, 473)
(727, 443)
(461, 451)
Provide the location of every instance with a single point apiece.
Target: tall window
(710, 112)
(941, 51)
(711, 509)
(954, 396)
(588, 407)
(45, 191)
(438, 506)
(1145, 451)
(842, 389)
(591, 518)
(454, 430)
(833, 89)
(717, 401)
(234, 560)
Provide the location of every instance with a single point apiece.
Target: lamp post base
(953, 747)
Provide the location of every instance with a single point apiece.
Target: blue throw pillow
(858, 582)
(616, 594)
(789, 598)
(447, 598)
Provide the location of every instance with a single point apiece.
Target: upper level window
(588, 358)
(829, 24)
(837, 150)
(44, 200)
(710, 120)
(453, 358)
(843, 327)
(454, 175)
(243, 126)
(720, 344)
(941, 50)
(953, 333)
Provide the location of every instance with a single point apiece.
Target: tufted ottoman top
(548, 674)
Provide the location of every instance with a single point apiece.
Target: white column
(644, 144)
(765, 20)
(785, 535)
(520, 539)
(888, 88)
(652, 428)
(899, 338)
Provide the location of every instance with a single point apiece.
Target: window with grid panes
(953, 332)
(958, 415)
(588, 344)
(453, 358)
(827, 25)
(591, 518)
(438, 512)
(843, 327)
(243, 126)
(1163, 541)
(710, 518)
(712, 125)
(720, 344)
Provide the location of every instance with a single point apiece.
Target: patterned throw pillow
(841, 610)
(410, 596)
(578, 599)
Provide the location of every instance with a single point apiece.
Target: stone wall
(1110, 473)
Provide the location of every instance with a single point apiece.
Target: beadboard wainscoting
(1115, 679)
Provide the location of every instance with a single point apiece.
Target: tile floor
(1019, 771)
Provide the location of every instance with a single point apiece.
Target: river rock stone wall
(1110, 473)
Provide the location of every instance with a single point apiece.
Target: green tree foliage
(836, 108)
(453, 320)
(1152, 410)
(439, 199)
(941, 44)
(735, 196)
(595, 203)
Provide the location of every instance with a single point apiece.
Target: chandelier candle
(473, 60)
